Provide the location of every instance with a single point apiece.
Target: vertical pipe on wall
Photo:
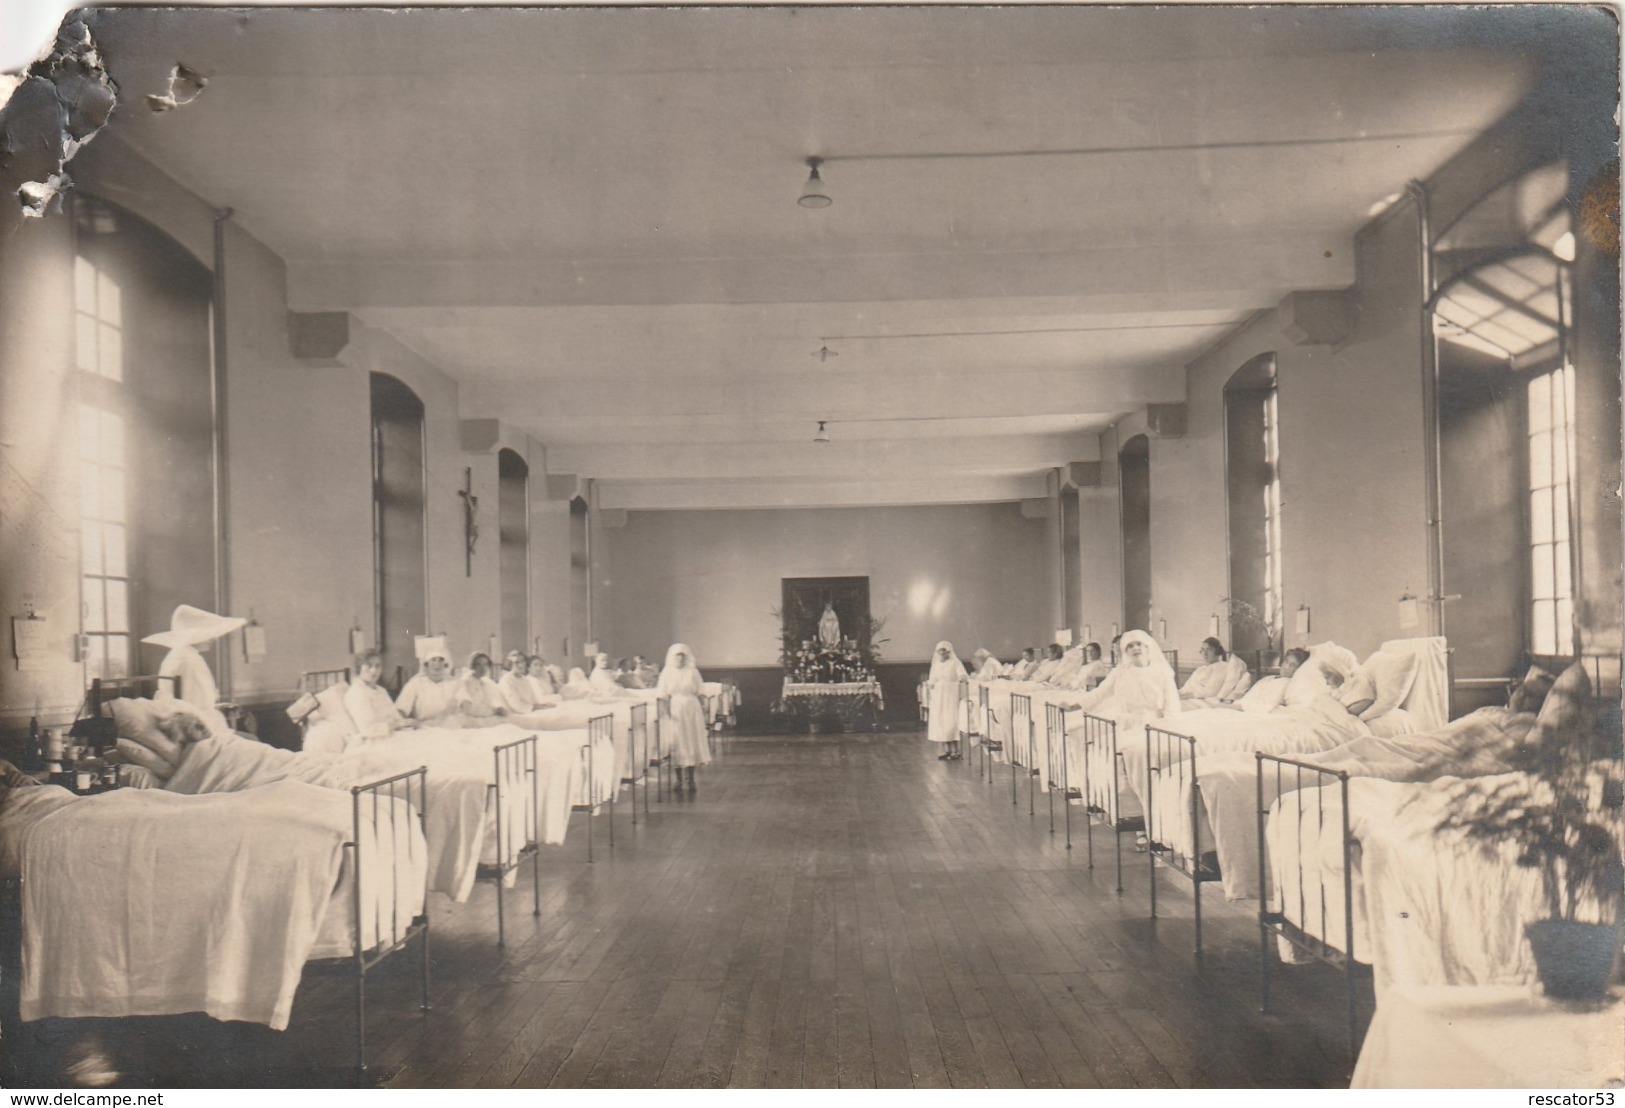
(217, 402)
(1432, 460)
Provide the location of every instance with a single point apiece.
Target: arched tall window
(1252, 469)
(146, 432)
(400, 578)
(513, 524)
(1134, 470)
(1505, 410)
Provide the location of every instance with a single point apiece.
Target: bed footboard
(514, 799)
(377, 809)
(1102, 792)
(1057, 755)
(1173, 818)
(1298, 906)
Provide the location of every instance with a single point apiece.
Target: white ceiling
(587, 217)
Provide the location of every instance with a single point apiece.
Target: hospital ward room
(811, 547)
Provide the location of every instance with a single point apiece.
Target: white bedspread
(460, 811)
(1475, 745)
(140, 902)
(1430, 909)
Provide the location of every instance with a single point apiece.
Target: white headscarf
(576, 688)
(1137, 691)
(603, 677)
(946, 669)
(686, 680)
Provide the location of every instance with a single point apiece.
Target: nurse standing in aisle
(947, 685)
(681, 681)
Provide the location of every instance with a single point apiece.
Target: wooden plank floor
(833, 911)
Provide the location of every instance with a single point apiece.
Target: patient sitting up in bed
(544, 690)
(577, 687)
(478, 695)
(432, 693)
(1023, 668)
(518, 694)
(1269, 693)
(984, 666)
(1138, 691)
(373, 712)
(1049, 665)
(1222, 677)
(1092, 672)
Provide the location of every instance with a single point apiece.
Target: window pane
(1564, 585)
(1544, 639)
(113, 546)
(96, 656)
(90, 438)
(1541, 583)
(1540, 460)
(90, 547)
(113, 495)
(1563, 632)
(110, 353)
(112, 425)
(1560, 514)
(107, 300)
(118, 606)
(84, 285)
(84, 343)
(1540, 404)
(95, 605)
(90, 502)
(118, 655)
(1540, 516)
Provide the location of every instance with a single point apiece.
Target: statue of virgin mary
(829, 626)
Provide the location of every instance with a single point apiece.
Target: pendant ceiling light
(823, 435)
(813, 194)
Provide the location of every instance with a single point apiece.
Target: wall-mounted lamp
(813, 194)
(823, 435)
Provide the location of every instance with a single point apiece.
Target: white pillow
(1305, 685)
(330, 702)
(136, 722)
(1392, 676)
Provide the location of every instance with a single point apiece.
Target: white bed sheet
(1429, 909)
(141, 902)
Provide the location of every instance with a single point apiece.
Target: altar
(832, 706)
(828, 648)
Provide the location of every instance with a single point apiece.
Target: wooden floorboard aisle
(829, 911)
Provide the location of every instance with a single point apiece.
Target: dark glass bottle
(33, 757)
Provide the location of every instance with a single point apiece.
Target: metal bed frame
(989, 745)
(508, 761)
(315, 680)
(1021, 724)
(638, 728)
(1170, 759)
(409, 787)
(660, 759)
(1272, 917)
(1060, 780)
(598, 727)
(402, 786)
(1102, 799)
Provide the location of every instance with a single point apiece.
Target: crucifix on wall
(471, 521)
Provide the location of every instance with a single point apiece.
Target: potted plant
(1559, 814)
(1244, 616)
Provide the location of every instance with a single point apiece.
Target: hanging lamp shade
(823, 434)
(813, 194)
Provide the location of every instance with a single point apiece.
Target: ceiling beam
(819, 394)
(873, 458)
(1266, 266)
(678, 495)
